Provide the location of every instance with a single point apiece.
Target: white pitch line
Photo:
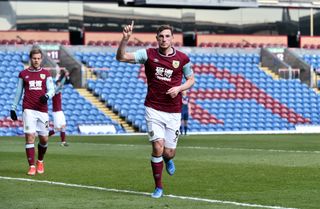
(144, 193)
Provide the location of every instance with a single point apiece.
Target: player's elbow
(125, 57)
(191, 80)
(119, 58)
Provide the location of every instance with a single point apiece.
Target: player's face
(165, 39)
(36, 60)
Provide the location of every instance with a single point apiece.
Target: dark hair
(164, 27)
(35, 51)
(62, 73)
(61, 76)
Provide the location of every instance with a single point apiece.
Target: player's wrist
(125, 39)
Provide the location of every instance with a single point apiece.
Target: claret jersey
(34, 84)
(163, 72)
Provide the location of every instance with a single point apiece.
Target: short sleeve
(140, 56)
(187, 71)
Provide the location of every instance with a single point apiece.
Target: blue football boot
(170, 167)
(158, 192)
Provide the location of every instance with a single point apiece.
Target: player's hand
(174, 91)
(44, 99)
(13, 115)
(127, 31)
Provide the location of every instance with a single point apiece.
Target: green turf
(280, 170)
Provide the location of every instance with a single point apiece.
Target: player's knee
(30, 138)
(157, 147)
(169, 153)
(43, 139)
(157, 152)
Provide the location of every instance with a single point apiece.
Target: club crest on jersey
(175, 63)
(42, 76)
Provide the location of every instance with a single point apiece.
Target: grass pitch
(216, 171)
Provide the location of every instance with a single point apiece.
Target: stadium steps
(316, 90)
(101, 106)
(89, 74)
(269, 72)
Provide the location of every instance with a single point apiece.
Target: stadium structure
(256, 62)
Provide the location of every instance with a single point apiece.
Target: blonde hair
(35, 50)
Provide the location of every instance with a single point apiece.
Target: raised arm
(122, 55)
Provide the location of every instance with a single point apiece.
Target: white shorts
(35, 121)
(163, 125)
(59, 119)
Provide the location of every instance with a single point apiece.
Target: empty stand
(231, 93)
(239, 45)
(130, 43)
(32, 41)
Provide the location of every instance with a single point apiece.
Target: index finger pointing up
(132, 23)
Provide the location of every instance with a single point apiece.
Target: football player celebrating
(164, 67)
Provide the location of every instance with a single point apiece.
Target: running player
(165, 67)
